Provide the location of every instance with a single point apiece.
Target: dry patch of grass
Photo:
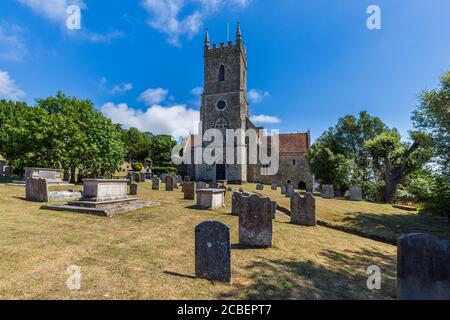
(149, 254)
(368, 217)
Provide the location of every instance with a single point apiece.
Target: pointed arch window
(222, 73)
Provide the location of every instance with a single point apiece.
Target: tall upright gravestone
(423, 267)
(289, 190)
(169, 183)
(155, 183)
(213, 251)
(189, 190)
(327, 191)
(133, 189)
(36, 189)
(274, 186)
(9, 171)
(255, 222)
(303, 209)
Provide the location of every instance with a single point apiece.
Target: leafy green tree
(393, 160)
(137, 144)
(161, 150)
(433, 116)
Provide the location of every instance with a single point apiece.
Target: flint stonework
(423, 267)
(255, 222)
(213, 251)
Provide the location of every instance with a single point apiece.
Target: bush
(159, 170)
(137, 167)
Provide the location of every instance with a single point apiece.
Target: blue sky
(310, 62)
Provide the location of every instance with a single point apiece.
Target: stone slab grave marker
(189, 190)
(142, 177)
(255, 222)
(259, 187)
(283, 189)
(274, 186)
(201, 185)
(155, 183)
(303, 209)
(213, 251)
(2, 166)
(9, 171)
(169, 183)
(134, 189)
(187, 179)
(36, 189)
(355, 193)
(289, 190)
(423, 267)
(327, 191)
(237, 202)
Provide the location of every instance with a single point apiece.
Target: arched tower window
(221, 124)
(222, 73)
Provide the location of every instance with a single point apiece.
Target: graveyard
(149, 253)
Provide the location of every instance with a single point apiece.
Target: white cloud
(167, 15)
(12, 45)
(197, 91)
(8, 88)
(262, 118)
(153, 96)
(54, 10)
(121, 88)
(156, 119)
(257, 96)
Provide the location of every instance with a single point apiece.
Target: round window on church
(221, 105)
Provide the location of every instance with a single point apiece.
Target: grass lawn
(368, 217)
(149, 254)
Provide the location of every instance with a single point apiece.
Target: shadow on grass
(176, 274)
(393, 225)
(336, 275)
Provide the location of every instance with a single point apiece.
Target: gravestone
(355, 193)
(259, 187)
(235, 203)
(201, 185)
(423, 267)
(2, 166)
(213, 251)
(274, 209)
(303, 209)
(189, 190)
(36, 189)
(187, 179)
(210, 198)
(274, 186)
(155, 183)
(214, 185)
(142, 177)
(289, 190)
(136, 177)
(255, 221)
(169, 183)
(133, 189)
(283, 189)
(9, 171)
(327, 191)
(310, 188)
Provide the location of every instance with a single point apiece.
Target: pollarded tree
(393, 159)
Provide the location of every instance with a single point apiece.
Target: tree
(161, 150)
(433, 116)
(137, 144)
(331, 168)
(394, 160)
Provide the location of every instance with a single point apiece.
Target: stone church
(225, 106)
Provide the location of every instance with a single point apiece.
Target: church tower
(224, 104)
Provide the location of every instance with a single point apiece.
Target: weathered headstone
(187, 179)
(2, 166)
(36, 189)
(259, 187)
(274, 186)
(155, 183)
(189, 190)
(9, 171)
(309, 188)
(303, 209)
(274, 209)
(163, 176)
(423, 267)
(213, 251)
(327, 191)
(355, 193)
(214, 185)
(169, 183)
(133, 189)
(289, 190)
(283, 189)
(255, 222)
(142, 176)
